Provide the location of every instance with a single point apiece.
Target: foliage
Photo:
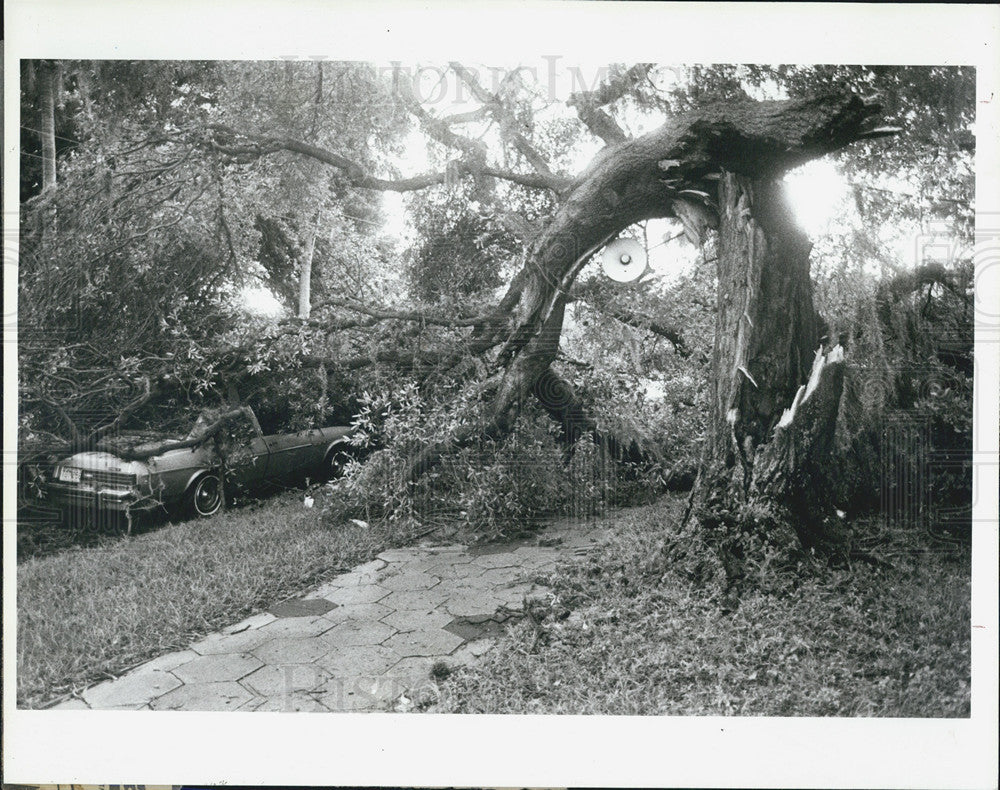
(493, 488)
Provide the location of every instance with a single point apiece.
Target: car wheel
(334, 464)
(207, 496)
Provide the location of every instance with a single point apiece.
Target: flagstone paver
(424, 643)
(358, 633)
(226, 666)
(224, 695)
(134, 690)
(358, 660)
(291, 651)
(406, 621)
(418, 600)
(273, 681)
(366, 640)
(359, 611)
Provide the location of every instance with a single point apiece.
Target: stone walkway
(365, 641)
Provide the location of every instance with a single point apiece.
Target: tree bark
(774, 393)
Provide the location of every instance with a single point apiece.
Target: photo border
(395, 749)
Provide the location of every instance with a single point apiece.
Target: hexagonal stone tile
(420, 600)
(469, 652)
(291, 651)
(472, 604)
(405, 582)
(353, 694)
(355, 633)
(417, 620)
(218, 668)
(226, 695)
(454, 549)
(424, 565)
(359, 576)
(169, 661)
(505, 560)
(132, 690)
(274, 681)
(359, 611)
(296, 628)
(470, 629)
(371, 567)
(400, 555)
(243, 642)
(362, 692)
(355, 661)
(296, 702)
(368, 593)
(513, 597)
(253, 621)
(411, 670)
(501, 576)
(457, 570)
(471, 585)
(424, 643)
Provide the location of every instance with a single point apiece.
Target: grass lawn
(89, 613)
(625, 635)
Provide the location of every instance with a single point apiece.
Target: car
(194, 472)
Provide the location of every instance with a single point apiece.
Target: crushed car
(223, 451)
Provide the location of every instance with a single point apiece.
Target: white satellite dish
(624, 260)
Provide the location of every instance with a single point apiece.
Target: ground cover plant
(634, 631)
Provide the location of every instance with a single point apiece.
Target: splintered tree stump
(793, 470)
(775, 397)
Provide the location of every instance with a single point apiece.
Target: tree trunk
(775, 394)
(305, 274)
(47, 96)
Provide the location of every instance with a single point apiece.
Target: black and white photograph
(435, 386)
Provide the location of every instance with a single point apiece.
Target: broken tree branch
(508, 124)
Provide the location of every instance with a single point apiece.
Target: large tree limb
(588, 103)
(508, 123)
(611, 90)
(224, 137)
(437, 128)
(640, 179)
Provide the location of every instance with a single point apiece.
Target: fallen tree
(716, 167)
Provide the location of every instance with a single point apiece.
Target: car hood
(97, 461)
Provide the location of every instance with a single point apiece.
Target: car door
(248, 454)
(293, 452)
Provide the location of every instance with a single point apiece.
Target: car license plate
(69, 474)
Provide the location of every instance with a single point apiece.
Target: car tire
(333, 465)
(206, 496)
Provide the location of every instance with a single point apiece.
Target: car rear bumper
(114, 500)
